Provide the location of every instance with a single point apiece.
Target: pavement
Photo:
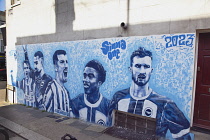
(33, 124)
(22, 123)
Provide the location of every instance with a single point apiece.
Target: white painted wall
(40, 21)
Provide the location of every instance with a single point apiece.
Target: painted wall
(86, 79)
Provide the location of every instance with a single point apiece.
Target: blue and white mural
(149, 76)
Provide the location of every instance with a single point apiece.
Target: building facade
(174, 31)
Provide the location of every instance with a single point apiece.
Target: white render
(42, 21)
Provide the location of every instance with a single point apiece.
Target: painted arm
(178, 125)
(18, 84)
(25, 53)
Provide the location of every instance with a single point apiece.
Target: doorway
(201, 116)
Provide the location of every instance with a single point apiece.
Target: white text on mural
(113, 49)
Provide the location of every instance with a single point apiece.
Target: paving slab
(106, 137)
(91, 133)
(80, 125)
(96, 128)
(69, 121)
(39, 124)
(56, 131)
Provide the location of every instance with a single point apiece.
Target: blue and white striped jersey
(95, 113)
(166, 112)
(28, 87)
(57, 99)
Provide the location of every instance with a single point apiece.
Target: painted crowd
(45, 92)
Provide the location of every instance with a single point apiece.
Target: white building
(41, 21)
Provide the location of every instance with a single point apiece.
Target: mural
(150, 76)
(56, 97)
(91, 105)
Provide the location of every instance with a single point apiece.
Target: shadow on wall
(65, 15)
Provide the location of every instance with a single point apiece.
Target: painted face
(37, 65)
(26, 70)
(90, 80)
(141, 70)
(62, 67)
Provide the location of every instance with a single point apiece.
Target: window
(15, 2)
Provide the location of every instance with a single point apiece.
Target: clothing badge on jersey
(148, 112)
(149, 109)
(101, 122)
(42, 84)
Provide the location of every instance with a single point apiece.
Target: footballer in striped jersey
(92, 106)
(27, 85)
(142, 100)
(41, 79)
(57, 98)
